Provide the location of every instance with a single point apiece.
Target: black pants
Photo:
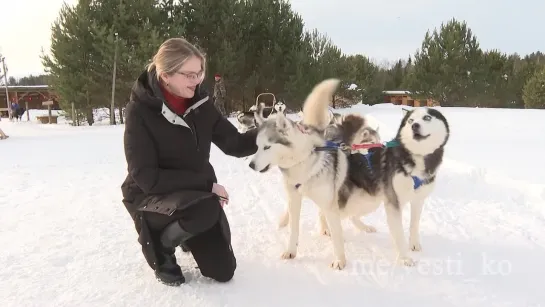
(212, 248)
(213, 254)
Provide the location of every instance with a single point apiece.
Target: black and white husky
(246, 120)
(340, 183)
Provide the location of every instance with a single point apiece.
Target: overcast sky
(384, 30)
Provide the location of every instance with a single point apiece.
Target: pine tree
(534, 91)
(127, 33)
(491, 77)
(71, 60)
(443, 67)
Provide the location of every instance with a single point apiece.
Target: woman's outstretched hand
(221, 192)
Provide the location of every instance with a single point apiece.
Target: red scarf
(178, 104)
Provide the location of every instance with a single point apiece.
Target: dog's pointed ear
(366, 134)
(258, 114)
(405, 111)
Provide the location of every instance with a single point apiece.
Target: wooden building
(404, 98)
(28, 97)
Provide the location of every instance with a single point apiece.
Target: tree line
(262, 46)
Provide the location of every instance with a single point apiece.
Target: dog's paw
(338, 264)
(288, 255)
(415, 246)
(407, 261)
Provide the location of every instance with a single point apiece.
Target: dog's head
(282, 142)
(423, 130)
(352, 129)
(280, 107)
(367, 135)
(285, 143)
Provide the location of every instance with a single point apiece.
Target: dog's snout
(252, 165)
(416, 126)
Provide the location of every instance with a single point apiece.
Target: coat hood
(146, 89)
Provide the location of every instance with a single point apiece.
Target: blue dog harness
(332, 146)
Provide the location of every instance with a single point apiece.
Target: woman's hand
(221, 192)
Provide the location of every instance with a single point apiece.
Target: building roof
(26, 87)
(396, 92)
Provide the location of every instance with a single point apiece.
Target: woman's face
(184, 81)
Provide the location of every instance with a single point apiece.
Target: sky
(384, 30)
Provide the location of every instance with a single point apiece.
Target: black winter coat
(169, 153)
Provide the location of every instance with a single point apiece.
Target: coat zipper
(193, 130)
(190, 126)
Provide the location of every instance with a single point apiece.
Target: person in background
(14, 110)
(219, 94)
(171, 190)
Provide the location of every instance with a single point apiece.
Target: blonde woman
(171, 189)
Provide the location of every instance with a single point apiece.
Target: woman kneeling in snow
(171, 189)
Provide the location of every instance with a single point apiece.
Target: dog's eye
(427, 118)
(266, 147)
(410, 120)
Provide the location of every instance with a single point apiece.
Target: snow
(68, 241)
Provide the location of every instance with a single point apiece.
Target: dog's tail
(315, 108)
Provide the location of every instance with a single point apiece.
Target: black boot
(168, 271)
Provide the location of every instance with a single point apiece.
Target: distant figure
(219, 94)
(14, 110)
(18, 114)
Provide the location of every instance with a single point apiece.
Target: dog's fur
(246, 119)
(351, 129)
(339, 183)
(334, 118)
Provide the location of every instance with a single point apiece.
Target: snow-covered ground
(66, 239)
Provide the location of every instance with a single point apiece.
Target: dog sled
(268, 105)
(246, 119)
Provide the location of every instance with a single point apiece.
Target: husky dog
(343, 185)
(280, 107)
(246, 120)
(396, 175)
(351, 130)
(307, 170)
(404, 173)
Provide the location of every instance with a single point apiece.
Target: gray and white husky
(342, 184)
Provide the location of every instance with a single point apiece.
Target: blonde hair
(172, 54)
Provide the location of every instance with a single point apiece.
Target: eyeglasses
(193, 76)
